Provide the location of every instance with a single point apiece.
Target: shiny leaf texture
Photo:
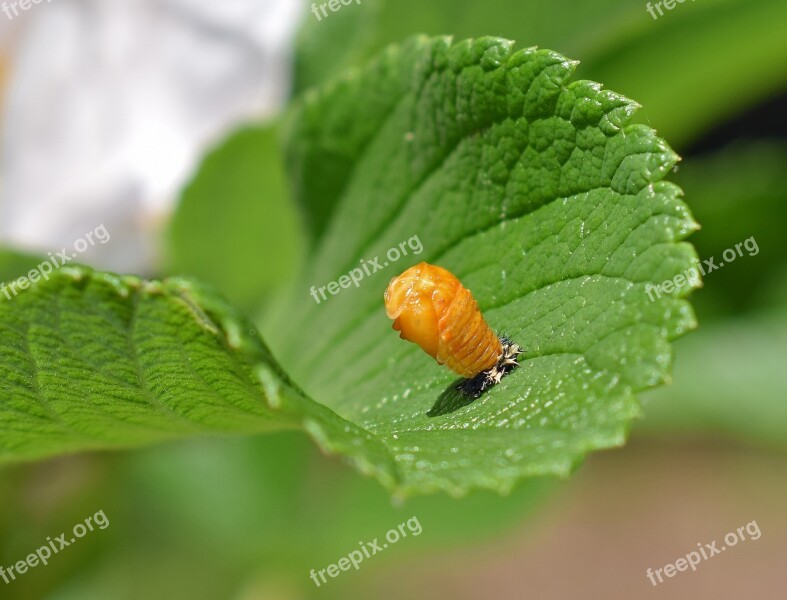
(544, 200)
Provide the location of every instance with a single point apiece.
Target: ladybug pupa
(430, 307)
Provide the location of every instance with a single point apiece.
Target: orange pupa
(430, 307)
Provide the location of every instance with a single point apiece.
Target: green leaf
(93, 360)
(535, 191)
(547, 204)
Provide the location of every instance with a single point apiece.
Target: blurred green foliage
(15, 264)
(236, 206)
(691, 68)
(736, 194)
(729, 378)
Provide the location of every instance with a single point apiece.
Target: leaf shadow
(450, 400)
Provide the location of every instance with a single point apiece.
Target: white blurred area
(108, 105)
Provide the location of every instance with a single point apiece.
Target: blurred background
(158, 119)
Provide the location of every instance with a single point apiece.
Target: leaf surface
(549, 206)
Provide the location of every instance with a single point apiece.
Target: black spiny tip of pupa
(475, 386)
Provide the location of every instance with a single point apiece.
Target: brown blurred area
(623, 512)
